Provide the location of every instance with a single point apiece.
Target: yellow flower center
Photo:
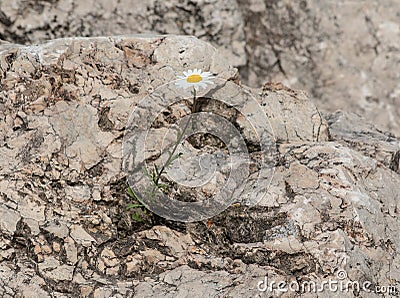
(194, 78)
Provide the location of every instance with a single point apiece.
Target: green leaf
(163, 186)
(146, 172)
(172, 159)
(131, 193)
(156, 168)
(137, 217)
(130, 206)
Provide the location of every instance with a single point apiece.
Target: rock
(56, 247)
(86, 291)
(79, 193)
(9, 221)
(177, 242)
(153, 256)
(132, 266)
(52, 270)
(31, 210)
(351, 130)
(34, 290)
(315, 47)
(331, 207)
(109, 258)
(81, 236)
(102, 293)
(307, 126)
(57, 229)
(70, 250)
(218, 20)
(306, 45)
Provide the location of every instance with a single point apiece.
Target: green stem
(176, 145)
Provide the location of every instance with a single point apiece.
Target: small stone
(57, 229)
(52, 269)
(105, 218)
(109, 258)
(133, 266)
(95, 221)
(71, 250)
(46, 249)
(18, 122)
(100, 265)
(9, 219)
(80, 193)
(81, 236)
(85, 265)
(153, 256)
(37, 249)
(96, 194)
(56, 247)
(102, 293)
(6, 254)
(112, 271)
(38, 105)
(86, 291)
(32, 210)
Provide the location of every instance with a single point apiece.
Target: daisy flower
(194, 79)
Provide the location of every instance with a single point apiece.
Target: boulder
(344, 54)
(329, 212)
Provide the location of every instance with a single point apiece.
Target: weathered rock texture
(333, 203)
(219, 21)
(346, 54)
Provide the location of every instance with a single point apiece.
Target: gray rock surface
(332, 206)
(219, 21)
(345, 53)
(352, 130)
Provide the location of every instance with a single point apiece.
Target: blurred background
(345, 54)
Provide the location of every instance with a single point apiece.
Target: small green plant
(137, 205)
(156, 174)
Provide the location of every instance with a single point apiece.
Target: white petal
(179, 83)
(201, 85)
(182, 84)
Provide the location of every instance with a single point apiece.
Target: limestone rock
(9, 220)
(331, 207)
(345, 54)
(352, 130)
(37, 22)
(52, 270)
